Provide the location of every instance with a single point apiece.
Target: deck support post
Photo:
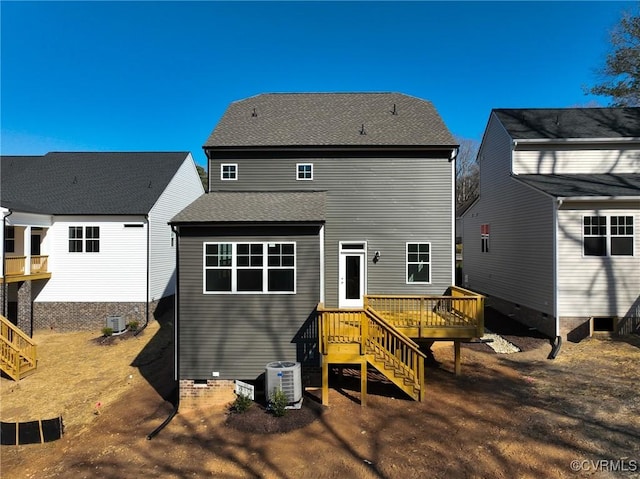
(363, 383)
(325, 381)
(456, 348)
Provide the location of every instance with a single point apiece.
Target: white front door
(352, 274)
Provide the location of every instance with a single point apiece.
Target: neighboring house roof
(585, 185)
(330, 119)
(255, 206)
(98, 183)
(570, 123)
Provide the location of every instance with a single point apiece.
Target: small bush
(107, 332)
(278, 402)
(241, 404)
(133, 325)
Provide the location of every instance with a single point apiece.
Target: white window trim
(298, 165)
(234, 267)
(235, 166)
(406, 262)
(607, 235)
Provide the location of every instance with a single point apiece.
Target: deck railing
(376, 337)
(17, 350)
(39, 264)
(459, 308)
(394, 348)
(15, 265)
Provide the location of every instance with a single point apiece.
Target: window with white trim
(10, 239)
(85, 239)
(484, 238)
(607, 235)
(419, 263)
(249, 267)
(228, 171)
(304, 171)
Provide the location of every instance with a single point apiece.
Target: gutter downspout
(146, 303)
(556, 343)
(176, 390)
(4, 264)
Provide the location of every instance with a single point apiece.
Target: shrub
(133, 325)
(107, 331)
(278, 402)
(241, 404)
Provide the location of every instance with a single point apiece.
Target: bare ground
(518, 415)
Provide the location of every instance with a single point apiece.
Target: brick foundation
(66, 316)
(216, 392)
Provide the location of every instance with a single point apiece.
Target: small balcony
(15, 268)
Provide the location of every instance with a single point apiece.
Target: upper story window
(607, 236)
(85, 239)
(228, 171)
(10, 239)
(484, 238)
(304, 171)
(418, 262)
(249, 268)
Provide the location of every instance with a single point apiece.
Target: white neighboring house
(554, 237)
(85, 235)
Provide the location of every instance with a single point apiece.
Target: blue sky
(157, 76)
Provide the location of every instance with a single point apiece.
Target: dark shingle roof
(564, 123)
(330, 119)
(255, 206)
(582, 185)
(104, 183)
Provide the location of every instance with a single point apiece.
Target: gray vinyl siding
(519, 266)
(385, 201)
(596, 285)
(237, 335)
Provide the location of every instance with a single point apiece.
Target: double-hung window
(84, 239)
(419, 263)
(607, 235)
(10, 239)
(249, 267)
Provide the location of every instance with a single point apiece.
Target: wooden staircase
(17, 351)
(380, 335)
(363, 337)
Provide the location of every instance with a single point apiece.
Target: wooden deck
(382, 334)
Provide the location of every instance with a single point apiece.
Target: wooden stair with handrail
(380, 334)
(363, 337)
(17, 351)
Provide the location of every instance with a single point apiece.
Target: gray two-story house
(314, 198)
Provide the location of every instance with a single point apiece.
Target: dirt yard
(508, 416)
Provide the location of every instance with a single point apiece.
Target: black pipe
(173, 413)
(556, 344)
(5, 290)
(176, 360)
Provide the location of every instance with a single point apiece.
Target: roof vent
(394, 112)
(254, 114)
(362, 130)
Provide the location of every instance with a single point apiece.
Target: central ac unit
(285, 376)
(116, 323)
